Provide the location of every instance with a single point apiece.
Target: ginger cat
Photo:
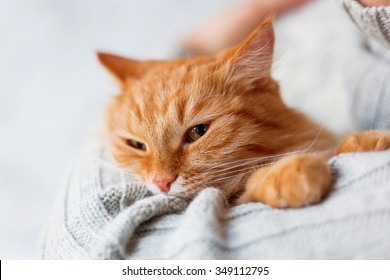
(219, 121)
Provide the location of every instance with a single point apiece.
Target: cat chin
(177, 186)
(153, 189)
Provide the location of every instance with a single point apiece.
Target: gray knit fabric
(102, 214)
(373, 21)
(368, 67)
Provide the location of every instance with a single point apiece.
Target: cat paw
(294, 181)
(372, 140)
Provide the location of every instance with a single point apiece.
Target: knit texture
(103, 214)
(368, 67)
(373, 21)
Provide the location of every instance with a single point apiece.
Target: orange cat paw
(294, 181)
(372, 140)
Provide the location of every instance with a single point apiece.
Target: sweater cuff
(373, 21)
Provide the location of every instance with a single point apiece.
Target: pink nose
(164, 184)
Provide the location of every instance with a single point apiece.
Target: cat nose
(164, 184)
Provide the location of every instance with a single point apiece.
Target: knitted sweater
(101, 213)
(368, 67)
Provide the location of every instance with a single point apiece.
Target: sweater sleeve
(374, 22)
(368, 67)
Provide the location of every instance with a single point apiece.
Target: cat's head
(187, 124)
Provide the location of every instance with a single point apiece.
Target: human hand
(372, 3)
(232, 25)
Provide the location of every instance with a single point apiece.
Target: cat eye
(136, 145)
(194, 133)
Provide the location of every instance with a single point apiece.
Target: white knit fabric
(102, 214)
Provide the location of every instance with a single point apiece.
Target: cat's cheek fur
(153, 188)
(177, 186)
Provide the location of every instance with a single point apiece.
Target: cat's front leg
(293, 181)
(370, 140)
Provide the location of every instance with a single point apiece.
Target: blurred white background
(52, 90)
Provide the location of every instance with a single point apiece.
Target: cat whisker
(252, 160)
(223, 177)
(300, 133)
(231, 172)
(255, 162)
(315, 139)
(267, 158)
(252, 166)
(230, 177)
(244, 162)
(257, 165)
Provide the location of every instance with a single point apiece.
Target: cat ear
(251, 61)
(121, 67)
